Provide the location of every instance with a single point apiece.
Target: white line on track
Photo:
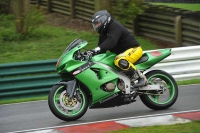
(31, 130)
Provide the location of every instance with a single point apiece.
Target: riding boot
(136, 75)
(142, 81)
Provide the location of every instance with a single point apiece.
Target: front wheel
(64, 109)
(164, 99)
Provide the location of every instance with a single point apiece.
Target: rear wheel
(64, 109)
(162, 99)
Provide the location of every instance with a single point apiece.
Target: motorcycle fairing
(120, 74)
(115, 99)
(99, 76)
(107, 59)
(149, 59)
(67, 57)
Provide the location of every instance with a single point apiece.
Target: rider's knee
(123, 64)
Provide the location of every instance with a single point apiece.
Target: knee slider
(124, 64)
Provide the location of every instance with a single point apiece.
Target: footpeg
(129, 98)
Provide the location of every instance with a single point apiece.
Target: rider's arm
(114, 33)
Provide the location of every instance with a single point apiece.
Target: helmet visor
(96, 23)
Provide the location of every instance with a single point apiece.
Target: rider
(117, 39)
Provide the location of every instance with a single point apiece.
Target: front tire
(170, 91)
(64, 109)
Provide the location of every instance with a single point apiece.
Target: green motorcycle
(95, 82)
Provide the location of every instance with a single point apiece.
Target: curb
(102, 127)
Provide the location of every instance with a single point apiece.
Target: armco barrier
(36, 78)
(27, 79)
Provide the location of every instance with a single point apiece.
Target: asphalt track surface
(34, 115)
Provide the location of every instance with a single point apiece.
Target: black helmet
(100, 20)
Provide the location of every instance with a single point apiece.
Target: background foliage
(32, 20)
(126, 9)
(4, 6)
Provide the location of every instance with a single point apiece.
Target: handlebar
(84, 56)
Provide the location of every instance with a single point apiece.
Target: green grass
(48, 42)
(42, 44)
(191, 127)
(191, 7)
(187, 82)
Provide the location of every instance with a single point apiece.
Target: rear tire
(64, 109)
(157, 102)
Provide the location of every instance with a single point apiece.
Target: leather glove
(97, 50)
(94, 51)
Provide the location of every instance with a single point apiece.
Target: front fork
(71, 85)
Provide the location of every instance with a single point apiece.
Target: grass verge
(187, 82)
(191, 7)
(44, 44)
(191, 127)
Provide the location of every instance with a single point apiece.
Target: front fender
(70, 87)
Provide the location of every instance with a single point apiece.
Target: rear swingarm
(151, 88)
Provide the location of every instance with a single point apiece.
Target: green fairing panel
(70, 66)
(66, 59)
(94, 86)
(153, 58)
(106, 58)
(99, 57)
(73, 64)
